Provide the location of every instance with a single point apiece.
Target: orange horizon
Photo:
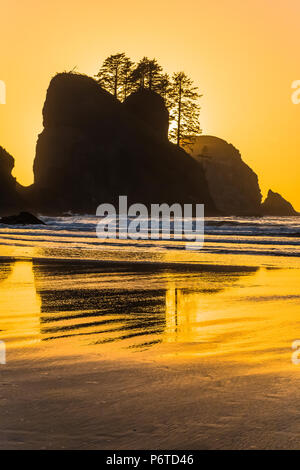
(242, 55)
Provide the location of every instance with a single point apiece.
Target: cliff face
(94, 148)
(9, 198)
(233, 184)
(276, 205)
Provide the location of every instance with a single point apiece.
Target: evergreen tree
(114, 75)
(126, 78)
(147, 74)
(184, 109)
(164, 89)
(119, 76)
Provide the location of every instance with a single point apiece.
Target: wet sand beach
(103, 356)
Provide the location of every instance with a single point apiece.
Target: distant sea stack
(232, 183)
(9, 197)
(94, 148)
(276, 205)
(24, 218)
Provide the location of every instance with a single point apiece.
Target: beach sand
(127, 357)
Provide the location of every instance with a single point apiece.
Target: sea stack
(232, 183)
(94, 148)
(149, 107)
(276, 205)
(9, 197)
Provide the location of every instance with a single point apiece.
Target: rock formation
(149, 107)
(94, 148)
(233, 185)
(24, 218)
(276, 205)
(9, 198)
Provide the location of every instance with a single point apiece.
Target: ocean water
(267, 241)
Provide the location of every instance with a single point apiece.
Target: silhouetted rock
(9, 198)
(276, 205)
(149, 107)
(233, 185)
(94, 148)
(24, 218)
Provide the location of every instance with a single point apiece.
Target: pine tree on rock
(164, 89)
(126, 78)
(147, 74)
(184, 109)
(115, 75)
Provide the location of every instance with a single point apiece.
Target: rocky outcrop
(94, 148)
(149, 107)
(232, 183)
(24, 218)
(9, 198)
(276, 205)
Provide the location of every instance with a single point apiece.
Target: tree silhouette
(184, 109)
(126, 78)
(120, 76)
(114, 75)
(164, 89)
(147, 74)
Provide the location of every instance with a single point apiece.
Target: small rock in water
(24, 218)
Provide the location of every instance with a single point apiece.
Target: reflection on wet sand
(20, 304)
(51, 301)
(135, 357)
(56, 301)
(114, 306)
(250, 312)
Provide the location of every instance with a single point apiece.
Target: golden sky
(243, 55)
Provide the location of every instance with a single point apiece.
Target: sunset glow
(242, 55)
